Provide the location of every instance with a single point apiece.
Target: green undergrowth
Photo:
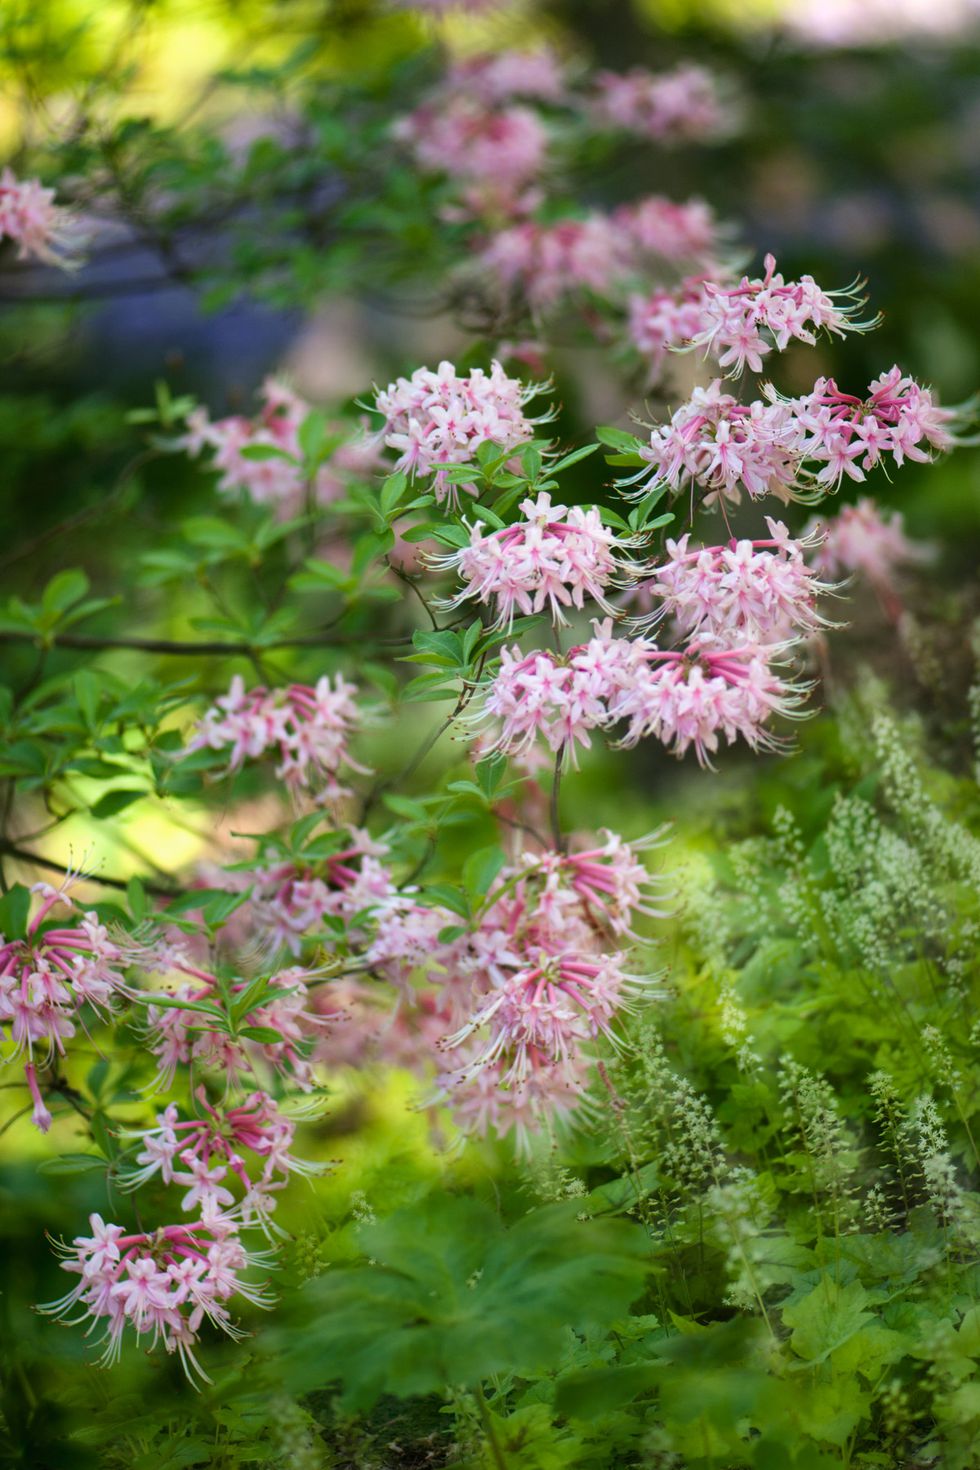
(759, 1250)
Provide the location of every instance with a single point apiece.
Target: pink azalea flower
(758, 591)
(161, 1285)
(741, 324)
(31, 220)
(867, 540)
(306, 727)
(441, 418)
(679, 106)
(276, 481)
(553, 559)
(48, 977)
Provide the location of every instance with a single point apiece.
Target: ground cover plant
(490, 894)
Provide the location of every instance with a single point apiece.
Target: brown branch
(187, 647)
(9, 849)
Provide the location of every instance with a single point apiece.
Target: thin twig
(561, 843)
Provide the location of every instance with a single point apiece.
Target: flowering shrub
(382, 891)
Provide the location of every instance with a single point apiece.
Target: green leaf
(320, 576)
(212, 532)
(425, 531)
(266, 451)
(174, 1002)
(626, 1192)
(195, 899)
(449, 897)
(260, 1033)
(451, 536)
(573, 458)
(113, 802)
(64, 588)
(392, 491)
(404, 806)
(313, 437)
(136, 898)
(587, 1395)
(617, 439)
(531, 461)
(220, 908)
(826, 1317)
(481, 867)
(369, 547)
(72, 1164)
(304, 828)
(489, 773)
(449, 1295)
(88, 691)
(15, 908)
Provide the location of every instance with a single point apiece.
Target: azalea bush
(655, 1115)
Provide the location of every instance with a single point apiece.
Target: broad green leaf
(826, 1317)
(448, 1294)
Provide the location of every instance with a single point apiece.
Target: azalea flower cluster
(275, 1035)
(307, 727)
(46, 980)
(289, 900)
(441, 418)
(545, 263)
(793, 447)
(850, 436)
(868, 540)
(685, 699)
(554, 558)
(737, 323)
(201, 1154)
(680, 106)
(760, 591)
(493, 151)
(600, 253)
(512, 998)
(31, 220)
(477, 128)
(513, 1004)
(673, 231)
(548, 980)
(262, 458)
(742, 323)
(163, 1284)
(727, 447)
(665, 320)
(498, 76)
